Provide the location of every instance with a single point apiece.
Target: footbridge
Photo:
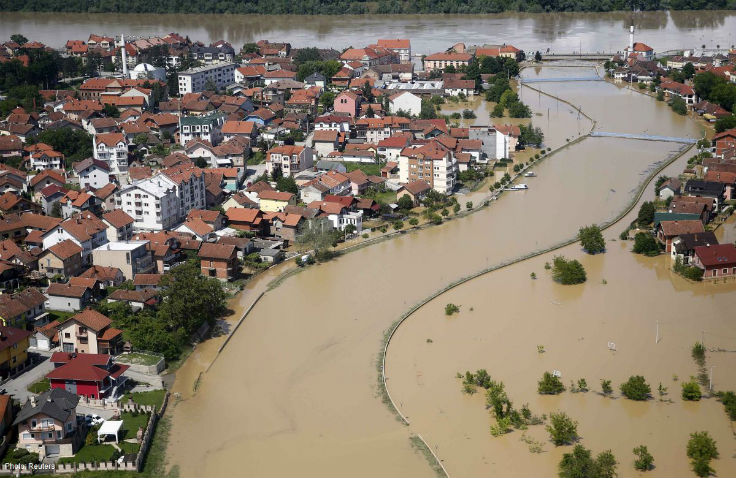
(647, 137)
(562, 79)
(577, 56)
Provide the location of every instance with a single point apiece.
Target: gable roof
(56, 403)
(211, 250)
(91, 319)
(65, 249)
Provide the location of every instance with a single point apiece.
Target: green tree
(644, 460)
(636, 388)
(606, 387)
(688, 70)
(645, 243)
(56, 209)
(327, 99)
(701, 449)
(427, 111)
(646, 213)
(498, 111)
(537, 56)
(19, 39)
(568, 271)
(287, 184)
(550, 385)
(678, 105)
(580, 464)
(591, 238)
(201, 162)
(405, 202)
(691, 391)
(519, 110)
(562, 429)
(111, 111)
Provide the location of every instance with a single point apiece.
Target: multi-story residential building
(440, 61)
(119, 225)
(494, 143)
(47, 424)
(111, 149)
(207, 128)
(47, 159)
(23, 308)
(63, 258)
(201, 78)
(13, 349)
(163, 200)
(89, 332)
(290, 159)
(131, 257)
(218, 260)
(400, 46)
(430, 163)
(212, 54)
(86, 230)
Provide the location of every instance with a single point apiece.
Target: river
(560, 32)
(294, 392)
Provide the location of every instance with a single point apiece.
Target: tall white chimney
(631, 39)
(125, 54)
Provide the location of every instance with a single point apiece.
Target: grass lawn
(138, 358)
(131, 423)
(129, 448)
(40, 386)
(153, 397)
(386, 197)
(91, 453)
(59, 315)
(371, 169)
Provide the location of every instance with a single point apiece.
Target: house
(727, 178)
(90, 332)
(275, 201)
(205, 127)
(92, 173)
(454, 85)
(218, 260)
(12, 227)
(119, 225)
(406, 102)
(667, 231)
(14, 344)
(137, 299)
(338, 122)
(716, 260)
(243, 129)
(683, 246)
(86, 230)
(325, 142)
(347, 101)
(23, 309)
(289, 159)
(42, 159)
(286, 226)
(724, 141)
(148, 281)
(67, 297)
(670, 188)
(416, 190)
(45, 337)
(131, 257)
(111, 149)
(440, 61)
(91, 375)
(11, 202)
(105, 276)
(246, 219)
(316, 79)
(48, 424)
(640, 51)
(686, 92)
(706, 189)
(339, 215)
(46, 178)
(77, 202)
(61, 259)
(400, 46)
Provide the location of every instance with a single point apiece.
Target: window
(33, 423)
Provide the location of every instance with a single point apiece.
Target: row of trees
(717, 90)
(338, 7)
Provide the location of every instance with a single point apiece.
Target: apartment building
(430, 163)
(131, 257)
(290, 159)
(440, 61)
(111, 149)
(199, 79)
(400, 46)
(207, 128)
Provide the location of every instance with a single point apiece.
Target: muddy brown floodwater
(294, 392)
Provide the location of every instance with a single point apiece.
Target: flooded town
(367, 244)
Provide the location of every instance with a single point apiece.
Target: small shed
(109, 427)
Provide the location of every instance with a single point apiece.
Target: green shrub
(636, 388)
(591, 238)
(729, 403)
(413, 221)
(701, 449)
(645, 243)
(568, 272)
(562, 429)
(691, 391)
(580, 464)
(644, 460)
(550, 385)
(606, 387)
(451, 309)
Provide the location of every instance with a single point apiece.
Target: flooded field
(294, 392)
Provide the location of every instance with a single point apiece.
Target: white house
(405, 101)
(112, 149)
(92, 173)
(86, 230)
(207, 128)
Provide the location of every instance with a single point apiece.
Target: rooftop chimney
(33, 400)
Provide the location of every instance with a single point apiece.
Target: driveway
(18, 387)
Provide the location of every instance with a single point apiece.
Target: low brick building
(218, 260)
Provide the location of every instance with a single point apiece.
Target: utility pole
(710, 380)
(656, 339)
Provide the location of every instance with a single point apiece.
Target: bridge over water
(648, 137)
(577, 56)
(562, 79)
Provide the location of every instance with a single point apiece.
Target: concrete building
(207, 128)
(111, 149)
(199, 79)
(434, 165)
(131, 257)
(290, 159)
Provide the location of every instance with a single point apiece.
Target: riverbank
(305, 359)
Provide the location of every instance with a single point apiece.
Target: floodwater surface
(294, 392)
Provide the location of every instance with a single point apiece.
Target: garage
(52, 450)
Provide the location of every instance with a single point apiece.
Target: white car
(93, 420)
